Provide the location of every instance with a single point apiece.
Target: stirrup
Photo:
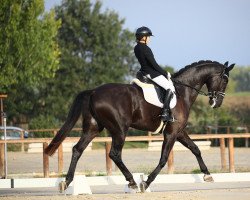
(167, 118)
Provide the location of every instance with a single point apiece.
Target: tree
(241, 75)
(168, 69)
(29, 51)
(95, 49)
(203, 116)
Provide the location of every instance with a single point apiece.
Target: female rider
(152, 70)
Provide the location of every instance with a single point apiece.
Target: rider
(152, 70)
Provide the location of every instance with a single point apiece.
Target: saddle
(153, 93)
(161, 92)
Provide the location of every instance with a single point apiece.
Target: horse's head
(217, 85)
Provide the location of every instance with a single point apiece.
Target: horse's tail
(73, 115)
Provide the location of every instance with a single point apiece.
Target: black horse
(117, 107)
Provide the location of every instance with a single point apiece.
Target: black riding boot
(166, 113)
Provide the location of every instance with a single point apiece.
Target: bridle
(211, 94)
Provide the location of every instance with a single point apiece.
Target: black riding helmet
(143, 31)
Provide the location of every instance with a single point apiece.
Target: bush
(44, 122)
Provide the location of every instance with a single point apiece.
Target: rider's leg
(164, 82)
(169, 87)
(166, 115)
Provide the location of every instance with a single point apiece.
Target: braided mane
(195, 64)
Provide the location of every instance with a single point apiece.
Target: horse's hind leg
(116, 155)
(89, 133)
(76, 154)
(184, 139)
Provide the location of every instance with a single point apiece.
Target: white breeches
(164, 82)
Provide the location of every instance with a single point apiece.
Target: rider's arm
(152, 61)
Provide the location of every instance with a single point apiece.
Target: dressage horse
(117, 107)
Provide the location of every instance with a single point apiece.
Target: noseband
(215, 94)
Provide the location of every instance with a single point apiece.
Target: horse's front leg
(167, 145)
(184, 139)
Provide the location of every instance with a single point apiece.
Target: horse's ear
(226, 64)
(230, 67)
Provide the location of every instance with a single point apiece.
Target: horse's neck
(192, 83)
(195, 80)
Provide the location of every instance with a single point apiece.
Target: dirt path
(221, 194)
(137, 160)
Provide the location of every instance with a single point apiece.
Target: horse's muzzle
(215, 102)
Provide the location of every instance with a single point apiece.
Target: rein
(198, 91)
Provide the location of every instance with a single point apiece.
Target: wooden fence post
(22, 144)
(60, 159)
(2, 97)
(223, 154)
(2, 146)
(54, 132)
(231, 154)
(246, 139)
(171, 162)
(45, 161)
(108, 160)
(149, 134)
(2, 167)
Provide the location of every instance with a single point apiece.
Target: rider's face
(145, 39)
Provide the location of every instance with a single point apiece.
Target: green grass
(16, 147)
(130, 145)
(127, 145)
(238, 94)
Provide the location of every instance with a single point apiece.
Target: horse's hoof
(208, 178)
(143, 186)
(134, 187)
(131, 188)
(62, 186)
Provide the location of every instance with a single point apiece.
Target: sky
(188, 31)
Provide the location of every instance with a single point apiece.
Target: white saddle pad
(150, 94)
